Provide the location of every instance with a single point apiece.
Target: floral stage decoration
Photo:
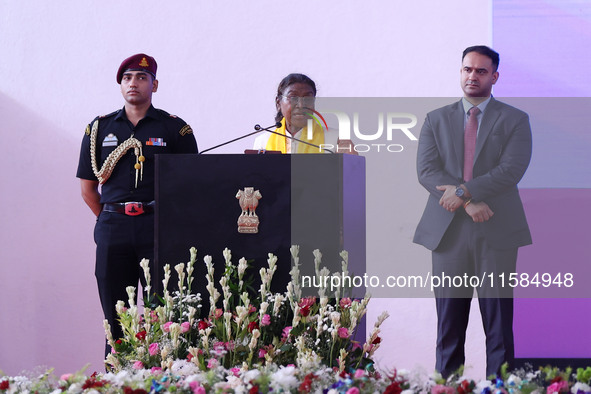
(260, 342)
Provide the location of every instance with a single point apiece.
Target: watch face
(459, 192)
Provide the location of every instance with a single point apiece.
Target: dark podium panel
(315, 201)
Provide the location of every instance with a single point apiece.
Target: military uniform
(125, 234)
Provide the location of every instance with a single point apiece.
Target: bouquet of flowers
(242, 330)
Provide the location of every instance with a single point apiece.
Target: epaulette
(109, 115)
(87, 131)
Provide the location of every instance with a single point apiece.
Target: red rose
(203, 324)
(4, 385)
(253, 325)
(141, 335)
(376, 341)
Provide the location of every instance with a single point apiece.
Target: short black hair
(486, 51)
(288, 81)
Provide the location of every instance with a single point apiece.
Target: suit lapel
(456, 127)
(489, 118)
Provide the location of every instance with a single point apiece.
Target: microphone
(277, 125)
(258, 129)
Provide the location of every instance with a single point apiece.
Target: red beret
(139, 62)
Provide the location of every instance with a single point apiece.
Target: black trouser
(121, 243)
(464, 252)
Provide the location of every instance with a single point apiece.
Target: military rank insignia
(186, 130)
(87, 131)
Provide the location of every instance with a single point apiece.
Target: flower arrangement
(264, 343)
(185, 377)
(241, 330)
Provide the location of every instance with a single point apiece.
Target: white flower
(513, 380)
(480, 386)
(251, 375)
(184, 368)
(284, 379)
(585, 388)
(227, 256)
(131, 294)
(295, 251)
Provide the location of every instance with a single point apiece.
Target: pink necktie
(470, 142)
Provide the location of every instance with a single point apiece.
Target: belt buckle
(134, 208)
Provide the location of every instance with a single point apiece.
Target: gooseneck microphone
(277, 125)
(258, 130)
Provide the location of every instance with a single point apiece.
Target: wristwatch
(460, 193)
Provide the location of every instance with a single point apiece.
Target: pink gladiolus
(66, 376)
(138, 365)
(185, 326)
(343, 332)
(266, 320)
(353, 390)
(262, 353)
(166, 326)
(359, 373)
(218, 313)
(154, 349)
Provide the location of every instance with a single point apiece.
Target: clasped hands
(478, 211)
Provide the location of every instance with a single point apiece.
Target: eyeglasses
(306, 101)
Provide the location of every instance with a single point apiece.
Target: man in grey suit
(471, 156)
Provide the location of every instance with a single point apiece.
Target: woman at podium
(299, 131)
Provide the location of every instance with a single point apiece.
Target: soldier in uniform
(118, 153)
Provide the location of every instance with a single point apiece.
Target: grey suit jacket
(503, 153)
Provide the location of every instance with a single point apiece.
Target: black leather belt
(131, 208)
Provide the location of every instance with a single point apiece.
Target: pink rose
(262, 353)
(156, 370)
(154, 349)
(235, 371)
(266, 320)
(286, 332)
(558, 387)
(138, 365)
(166, 326)
(185, 327)
(66, 376)
(441, 389)
(343, 332)
(345, 303)
(218, 313)
(212, 363)
(353, 390)
(359, 374)
(197, 388)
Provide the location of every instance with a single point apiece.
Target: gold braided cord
(107, 169)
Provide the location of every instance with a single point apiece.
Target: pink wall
(219, 64)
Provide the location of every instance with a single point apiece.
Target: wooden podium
(316, 201)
